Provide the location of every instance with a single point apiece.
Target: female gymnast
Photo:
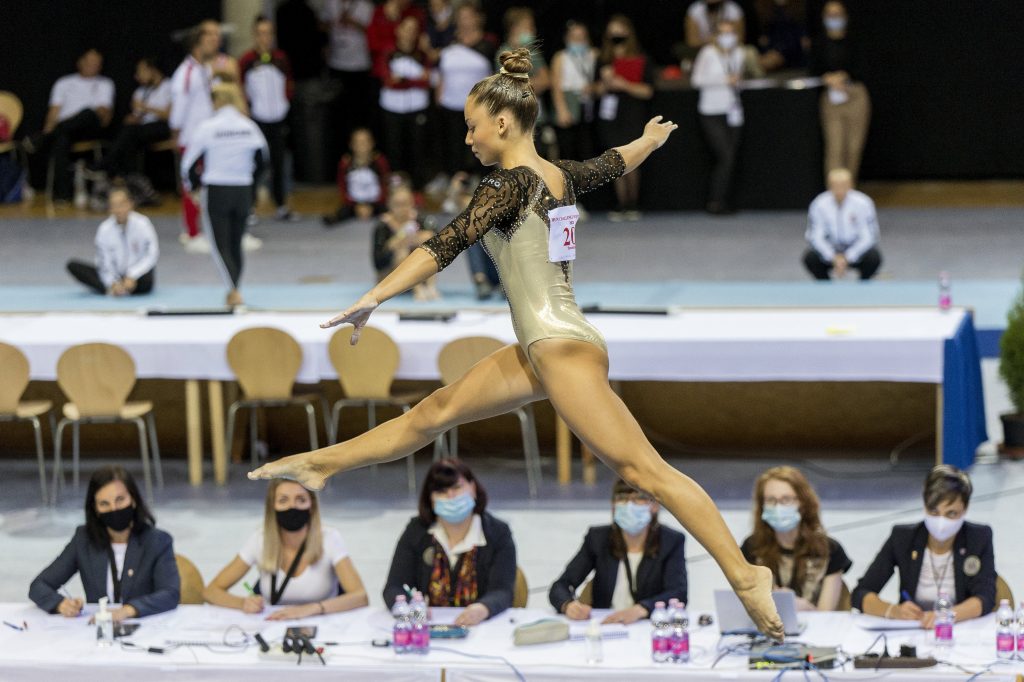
(559, 355)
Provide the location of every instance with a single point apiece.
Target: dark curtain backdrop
(945, 75)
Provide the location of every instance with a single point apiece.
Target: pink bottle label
(402, 638)
(944, 632)
(681, 645)
(1004, 642)
(945, 301)
(661, 645)
(421, 638)
(1020, 643)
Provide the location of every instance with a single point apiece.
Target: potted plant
(1011, 369)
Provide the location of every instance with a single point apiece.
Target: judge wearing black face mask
(119, 554)
(303, 567)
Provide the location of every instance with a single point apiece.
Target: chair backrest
(10, 106)
(1003, 591)
(457, 356)
(96, 377)
(521, 593)
(266, 362)
(845, 602)
(367, 369)
(14, 370)
(191, 581)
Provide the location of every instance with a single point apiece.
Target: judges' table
(800, 345)
(54, 646)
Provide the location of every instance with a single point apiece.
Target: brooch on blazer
(428, 556)
(972, 566)
(913, 555)
(131, 572)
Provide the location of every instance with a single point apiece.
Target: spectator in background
(440, 28)
(842, 230)
(348, 57)
(790, 539)
(627, 77)
(463, 63)
(783, 43)
(145, 125)
(521, 31)
(573, 73)
(395, 237)
(267, 78)
(126, 252)
(703, 16)
(717, 71)
(845, 105)
(380, 34)
(362, 180)
(299, 35)
(404, 99)
(81, 106)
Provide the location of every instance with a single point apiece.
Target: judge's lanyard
(275, 594)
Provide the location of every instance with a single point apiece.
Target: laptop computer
(733, 618)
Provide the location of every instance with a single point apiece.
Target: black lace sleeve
(497, 201)
(590, 174)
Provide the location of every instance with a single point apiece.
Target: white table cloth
(56, 648)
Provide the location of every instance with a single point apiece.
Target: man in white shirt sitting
(842, 230)
(81, 105)
(126, 252)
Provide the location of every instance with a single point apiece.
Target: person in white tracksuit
(225, 155)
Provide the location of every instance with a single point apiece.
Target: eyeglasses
(788, 500)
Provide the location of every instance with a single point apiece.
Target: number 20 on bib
(562, 233)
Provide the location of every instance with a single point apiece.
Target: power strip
(873, 661)
(278, 654)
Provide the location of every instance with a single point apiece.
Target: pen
(24, 625)
(248, 588)
(13, 626)
(905, 596)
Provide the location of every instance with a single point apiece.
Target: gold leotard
(509, 213)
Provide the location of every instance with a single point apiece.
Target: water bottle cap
(661, 604)
(400, 598)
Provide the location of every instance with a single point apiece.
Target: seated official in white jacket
(126, 252)
(842, 230)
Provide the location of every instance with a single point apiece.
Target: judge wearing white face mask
(942, 554)
(636, 562)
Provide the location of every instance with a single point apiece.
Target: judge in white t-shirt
(81, 105)
(303, 567)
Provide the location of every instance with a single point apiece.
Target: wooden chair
(266, 361)
(521, 592)
(97, 378)
(94, 147)
(12, 109)
(191, 581)
(14, 370)
(366, 372)
(454, 360)
(1003, 591)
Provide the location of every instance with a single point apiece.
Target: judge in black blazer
(454, 551)
(944, 553)
(118, 553)
(636, 562)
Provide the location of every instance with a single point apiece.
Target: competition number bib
(562, 233)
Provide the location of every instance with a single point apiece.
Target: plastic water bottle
(945, 291)
(1004, 630)
(943, 621)
(679, 621)
(595, 650)
(1020, 629)
(104, 625)
(419, 642)
(402, 630)
(660, 644)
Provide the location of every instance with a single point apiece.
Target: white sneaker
(252, 220)
(198, 244)
(183, 238)
(251, 243)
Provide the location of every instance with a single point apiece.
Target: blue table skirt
(963, 401)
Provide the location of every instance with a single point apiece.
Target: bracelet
(888, 610)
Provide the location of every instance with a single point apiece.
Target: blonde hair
(271, 558)
(227, 93)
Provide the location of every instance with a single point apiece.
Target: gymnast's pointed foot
(302, 469)
(756, 595)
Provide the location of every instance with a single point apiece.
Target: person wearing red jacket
(380, 34)
(363, 176)
(404, 99)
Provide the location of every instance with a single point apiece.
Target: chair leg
(371, 422)
(453, 442)
(524, 423)
(410, 464)
(154, 450)
(534, 443)
(58, 470)
(311, 417)
(325, 409)
(74, 455)
(440, 447)
(229, 436)
(336, 421)
(254, 435)
(39, 456)
(144, 453)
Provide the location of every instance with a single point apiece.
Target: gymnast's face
(487, 135)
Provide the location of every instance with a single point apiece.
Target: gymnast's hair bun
(517, 62)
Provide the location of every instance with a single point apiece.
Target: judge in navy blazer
(636, 562)
(119, 529)
(943, 553)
